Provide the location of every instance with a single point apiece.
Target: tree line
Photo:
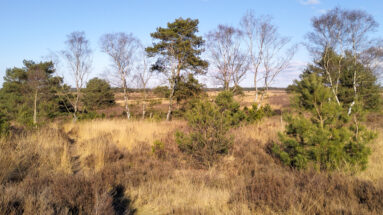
(344, 55)
(175, 53)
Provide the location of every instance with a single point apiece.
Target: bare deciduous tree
(273, 61)
(230, 63)
(121, 47)
(265, 48)
(373, 58)
(359, 25)
(78, 57)
(255, 30)
(143, 76)
(342, 31)
(329, 35)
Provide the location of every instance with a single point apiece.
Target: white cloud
(310, 2)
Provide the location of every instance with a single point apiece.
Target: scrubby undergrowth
(59, 170)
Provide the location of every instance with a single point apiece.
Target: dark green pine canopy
(179, 41)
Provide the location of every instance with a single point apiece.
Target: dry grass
(122, 133)
(45, 150)
(263, 132)
(107, 166)
(183, 193)
(95, 140)
(374, 171)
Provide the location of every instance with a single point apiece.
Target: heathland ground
(115, 165)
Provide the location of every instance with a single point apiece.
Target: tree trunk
(143, 111)
(261, 100)
(144, 106)
(226, 85)
(263, 94)
(334, 89)
(126, 102)
(235, 88)
(354, 87)
(170, 103)
(35, 109)
(256, 87)
(76, 105)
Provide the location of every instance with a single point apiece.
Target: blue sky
(31, 29)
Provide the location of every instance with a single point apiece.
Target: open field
(109, 166)
(278, 100)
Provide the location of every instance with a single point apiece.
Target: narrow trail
(74, 157)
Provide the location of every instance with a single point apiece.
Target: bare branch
(122, 49)
(229, 62)
(265, 45)
(78, 57)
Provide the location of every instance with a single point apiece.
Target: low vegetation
(138, 167)
(179, 149)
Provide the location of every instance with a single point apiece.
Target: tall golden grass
(122, 132)
(374, 172)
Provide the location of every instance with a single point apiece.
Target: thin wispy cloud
(309, 2)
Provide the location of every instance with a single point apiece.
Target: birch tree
(342, 32)
(274, 60)
(229, 62)
(255, 32)
(359, 25)
(265, 48)
(143, 76)
(122, 49)
(78, 57)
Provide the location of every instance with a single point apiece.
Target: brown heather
(108, 167)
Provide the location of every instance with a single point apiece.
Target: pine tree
(179, 49)
(334, 67)
(208, 138)
(322, 135)
(31, 92)
(98, 94)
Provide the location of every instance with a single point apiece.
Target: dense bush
(237, 90)
(255, 113)
(4, 125)
(88, 115)
(188, 87)
(328, 139)
(98, 94)
(229, 107)
(162, 91)
(305, 143)
(208, 137)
